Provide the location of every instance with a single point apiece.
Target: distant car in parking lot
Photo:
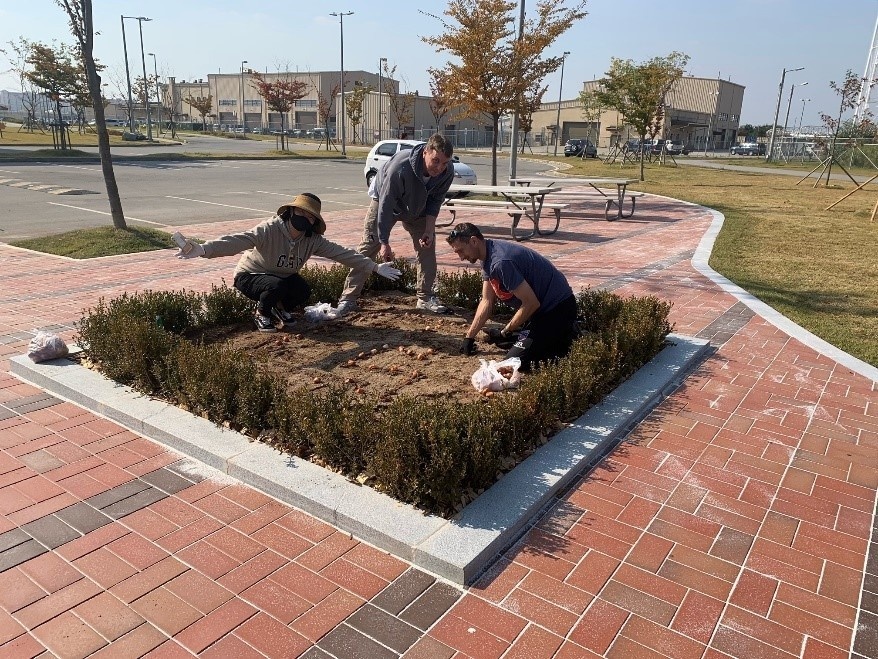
(575, 147)
(676, 147)
(748, 149)
(386, 149)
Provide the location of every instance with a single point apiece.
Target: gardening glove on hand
(494, 335)
(196, 251)
(387, 271)
(468, 347)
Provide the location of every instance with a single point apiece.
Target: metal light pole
(243, 121)
(341, 15)
(558, 116)
(158, 93)
(777, 111)
(128, 77)
(709, 136)
(513, 141)
(140, 20)
(789, 103)
(802, 115)
(381, 60)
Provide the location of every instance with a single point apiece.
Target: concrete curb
(459, 549)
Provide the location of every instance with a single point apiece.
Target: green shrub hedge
(437, 455)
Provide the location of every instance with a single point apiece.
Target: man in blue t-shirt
(543, 326)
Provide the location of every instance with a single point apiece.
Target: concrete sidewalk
(735, 520)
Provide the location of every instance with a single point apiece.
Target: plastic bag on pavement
(319, 312)
(45, 346)
(497, 376)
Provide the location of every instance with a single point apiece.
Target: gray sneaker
(431, 304)
(346, 307)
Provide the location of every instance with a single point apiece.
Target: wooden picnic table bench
(609, 197)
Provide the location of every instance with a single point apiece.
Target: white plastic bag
(488, 377)
(319, 312)
(45, 346)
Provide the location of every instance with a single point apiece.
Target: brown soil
(385, 349)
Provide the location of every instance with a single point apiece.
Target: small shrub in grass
(436, 454)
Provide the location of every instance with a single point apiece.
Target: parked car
(633, 146)
(656, 146)
(748, 149)
(676, 147)
(575, 147)
(385, 149)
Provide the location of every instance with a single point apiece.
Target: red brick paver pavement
(735, 521)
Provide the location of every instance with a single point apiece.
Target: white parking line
(127, 217)
(9, 171)
(213, 203)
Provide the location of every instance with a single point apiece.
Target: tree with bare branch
(325, 108)
(439, 104)
(354, 105)
(400, 104)
(30, 93)
(531, 102)
(495, 67)
(79, 14)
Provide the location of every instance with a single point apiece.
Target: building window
(306, 103)
(253, 102)
(723, 116)
(226, 101)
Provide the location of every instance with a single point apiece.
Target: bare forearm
(483, 315)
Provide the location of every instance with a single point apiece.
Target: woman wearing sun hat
(274, 252)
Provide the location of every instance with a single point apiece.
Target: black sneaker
(284, 317)
(264, 323)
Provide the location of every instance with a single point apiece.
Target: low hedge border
(437, 455)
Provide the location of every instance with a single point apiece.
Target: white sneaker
(431, 304)
(345, 307)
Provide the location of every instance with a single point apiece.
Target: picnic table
(596, 184)
(518, 202)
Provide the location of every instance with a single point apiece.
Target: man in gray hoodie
(275, 251)
(410, 188)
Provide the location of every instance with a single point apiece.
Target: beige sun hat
(307, 202)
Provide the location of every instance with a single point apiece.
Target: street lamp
(158, 93)
(128, 77)
(558, 115)
(802, 115)
(777, 111)
(789, 103)
(381, 60)
(341, 15)
(139, 20)
(243, 120)
(713, 111)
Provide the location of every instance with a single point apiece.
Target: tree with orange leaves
(496, 65)
(280, 96)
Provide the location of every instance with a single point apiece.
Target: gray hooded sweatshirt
(403, 194)
(272, 250)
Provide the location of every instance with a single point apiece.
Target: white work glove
(193, 253)
(387, 271)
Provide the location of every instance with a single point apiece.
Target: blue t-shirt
(507, 264)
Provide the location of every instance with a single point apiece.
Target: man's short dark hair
(464, 231)
(437, 142)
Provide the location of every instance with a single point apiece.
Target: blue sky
(748, 42)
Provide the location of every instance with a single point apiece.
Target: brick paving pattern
(734, 521)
